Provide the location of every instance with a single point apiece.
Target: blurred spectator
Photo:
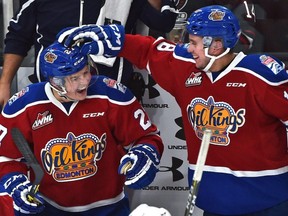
(37, 23)
(244, 11)
(1, 35)
(271, 22)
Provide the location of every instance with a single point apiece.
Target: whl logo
(194, 79)
(42, 119)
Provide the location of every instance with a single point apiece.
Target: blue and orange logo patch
(73, 158)
(216, 15)
(220, 117)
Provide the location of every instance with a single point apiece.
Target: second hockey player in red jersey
(242, 98)
(83, 130)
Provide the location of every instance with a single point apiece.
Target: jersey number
(140, 114)
(3, 132)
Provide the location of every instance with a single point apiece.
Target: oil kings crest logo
(220, 117)
(73, 158)
(216, 15)
(50, 57)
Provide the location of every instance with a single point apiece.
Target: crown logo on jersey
(220, 117)
(216, 15)
(50, 57)
(73, 158)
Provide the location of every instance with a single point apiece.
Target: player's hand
(106, 40)
(169, 5)
(18, 186)
(142, 161)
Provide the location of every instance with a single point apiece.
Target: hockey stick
(198, 173)
(24, 148)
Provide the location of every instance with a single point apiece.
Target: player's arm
(18, 42)
(138, 136)
(21, 29)
(109, 41)
(159, 15)
(11, 160)
(141, 162)
(13, 173)
(11, 64)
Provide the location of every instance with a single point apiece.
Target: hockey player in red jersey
(242, 98)
(83, 129)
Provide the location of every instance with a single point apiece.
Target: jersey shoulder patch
(181, 52)
(265, 66)
(110, 88)
(29, 94)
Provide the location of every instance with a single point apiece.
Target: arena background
(169, 190)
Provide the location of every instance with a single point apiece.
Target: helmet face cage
(217, 22)
(58, 62)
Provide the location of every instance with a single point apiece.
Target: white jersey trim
(86, 207)
(242, 173)
(260, 77)
(6, 159)
(24, 6)
(112, 101)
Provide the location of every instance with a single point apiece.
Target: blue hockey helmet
(59, 61)
(217, 22)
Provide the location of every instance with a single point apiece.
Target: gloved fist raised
(18, 186)
(106, 40)
(144, 160)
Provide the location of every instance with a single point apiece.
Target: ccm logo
(93, 115)
(237, 85)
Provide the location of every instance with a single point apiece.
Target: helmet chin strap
(63, 93)
(213, 58)
(66, 97)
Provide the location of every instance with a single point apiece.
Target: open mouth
(81, 90)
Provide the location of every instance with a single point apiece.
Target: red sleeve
(135, 44)
(9, 154)
(135, 126)
(6, 204)
(157, 57)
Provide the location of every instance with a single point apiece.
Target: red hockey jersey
(79, 148)
(245, 107)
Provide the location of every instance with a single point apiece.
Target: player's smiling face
(196, 48)
(76, 84)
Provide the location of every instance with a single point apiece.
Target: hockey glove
(146, 210)
(169, 5)
(144, 160)
(106, 40)
(18, 186)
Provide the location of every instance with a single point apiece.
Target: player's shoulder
(111, 89)
(181, 52)
(28, 96)
(266, 67)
